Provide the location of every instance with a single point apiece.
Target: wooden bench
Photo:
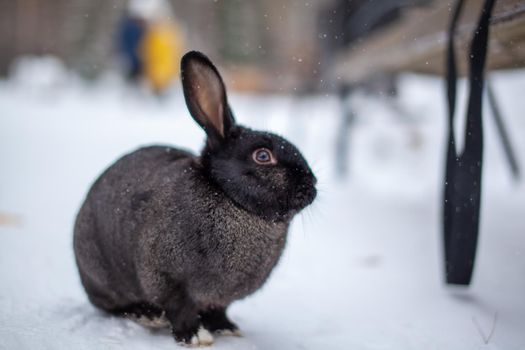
(417, 42)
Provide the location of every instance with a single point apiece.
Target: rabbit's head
(260, 171)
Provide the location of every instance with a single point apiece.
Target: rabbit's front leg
(215, 320)
(186, 325)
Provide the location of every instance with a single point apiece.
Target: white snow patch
(363, 265)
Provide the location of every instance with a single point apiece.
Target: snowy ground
(362, 269)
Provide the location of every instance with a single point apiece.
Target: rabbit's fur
(165, 233)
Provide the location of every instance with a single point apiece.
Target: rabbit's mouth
(304, 196)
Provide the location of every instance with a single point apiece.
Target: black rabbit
(164, 235)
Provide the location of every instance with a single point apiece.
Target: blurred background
(357, 85)
(260, 42)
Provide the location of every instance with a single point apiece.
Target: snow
(362, 269)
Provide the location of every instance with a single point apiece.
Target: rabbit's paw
(153, 322)
(201, 337)
(224, 327)
(216, 321)
(234, 332)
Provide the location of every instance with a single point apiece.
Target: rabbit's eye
(263, 156)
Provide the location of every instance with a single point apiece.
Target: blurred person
(151, 44)
(131, 32)
(161, 46)
(161, 51)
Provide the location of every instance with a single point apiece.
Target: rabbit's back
(108, 226)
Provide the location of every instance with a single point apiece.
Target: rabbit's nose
(314, 180)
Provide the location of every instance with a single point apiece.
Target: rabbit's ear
(205, 96)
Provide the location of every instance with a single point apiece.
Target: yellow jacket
(161, 52)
